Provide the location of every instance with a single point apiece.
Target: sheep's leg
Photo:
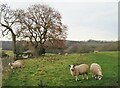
(76, 78)
(93, 76)
(87, 76)
(13, 70)
(83, 76)
(20, 68)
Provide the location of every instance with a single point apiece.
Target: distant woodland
(70, 46)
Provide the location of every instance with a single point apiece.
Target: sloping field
(53, 70)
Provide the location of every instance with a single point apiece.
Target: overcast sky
(96, 19)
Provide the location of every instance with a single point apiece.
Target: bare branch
(42, 23)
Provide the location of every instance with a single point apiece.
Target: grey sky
(96, 20)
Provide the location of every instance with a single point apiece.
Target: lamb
(16, 64)
(77, 70)
(96, 71)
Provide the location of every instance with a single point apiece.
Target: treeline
(90, 46)
(71, 46)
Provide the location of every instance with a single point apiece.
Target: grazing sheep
(77, 70)
(96, 71)
(16, 64)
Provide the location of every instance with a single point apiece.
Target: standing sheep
(77, 70)
(96, 71)
(16, 64)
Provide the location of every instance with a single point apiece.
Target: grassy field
(53, 70)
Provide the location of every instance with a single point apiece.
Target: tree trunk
(39, 50)
(14, 46)
(42, 50)
(36, 51)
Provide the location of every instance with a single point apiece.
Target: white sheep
(96, 71)
(77, 70)
(15, 64)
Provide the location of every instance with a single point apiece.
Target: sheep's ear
(74, 65)
(69, 65)
(9, 64)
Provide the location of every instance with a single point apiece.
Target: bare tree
(41, 23)
(8, 24)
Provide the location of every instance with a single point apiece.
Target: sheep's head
(99, 77)
(72, 67)
(9, 64)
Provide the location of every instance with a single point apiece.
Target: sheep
(96, 71)
(15, 64)
(77, 70)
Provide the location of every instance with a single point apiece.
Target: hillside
(53, 70)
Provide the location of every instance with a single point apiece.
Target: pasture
(53, 70)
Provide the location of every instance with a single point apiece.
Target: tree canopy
(39, 24)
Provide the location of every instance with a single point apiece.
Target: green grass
(9, 52)
(53, 70)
